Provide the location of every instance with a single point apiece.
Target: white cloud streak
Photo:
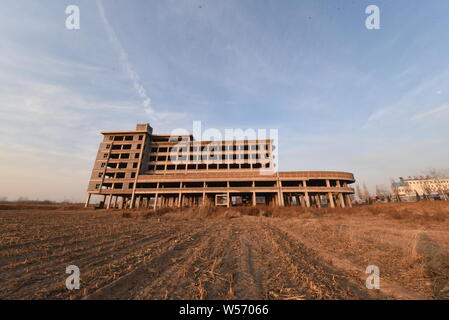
(430, 112)
(124, 61)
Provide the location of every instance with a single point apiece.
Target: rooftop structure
(135, 169)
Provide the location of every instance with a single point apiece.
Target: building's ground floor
(298, 188)
(225, 198)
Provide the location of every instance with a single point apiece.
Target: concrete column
(348, 200)
(87, 200)
(115, 202)
(331, 199)
(342, 201)
(228, 199)
(131, 205)
(155, 201)
(306, 197)
(318, 200)
(254, 198)
(306, 194)
(302, 201)
(109, 202)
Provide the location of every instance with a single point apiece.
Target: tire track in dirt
(246, 278)
(315, 278)
(191, 274)
(389, 288)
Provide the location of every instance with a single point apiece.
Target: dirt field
(244, 253)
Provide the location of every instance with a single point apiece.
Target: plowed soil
(163, 257)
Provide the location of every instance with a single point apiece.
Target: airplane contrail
(126, 65)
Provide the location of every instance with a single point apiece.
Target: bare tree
(434, 173)
(366, 193)
(382, 192)
(358, 192)
(417, 196)
(395, 190)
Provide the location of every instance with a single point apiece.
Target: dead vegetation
(226, 253)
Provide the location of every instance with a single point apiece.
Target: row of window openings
(124, 138)
(124, 165)
(120, 156)
(121, 165)
(208, 166)
(212, 157)
(211, 148)
(115, 175)
(167, 185)
(122, 146)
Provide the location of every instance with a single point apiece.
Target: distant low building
(423, 187)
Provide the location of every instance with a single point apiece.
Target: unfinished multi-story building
(139, 169)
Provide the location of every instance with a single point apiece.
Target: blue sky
(372, 102)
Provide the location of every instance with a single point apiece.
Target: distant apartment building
(409, 189)
(139, 169)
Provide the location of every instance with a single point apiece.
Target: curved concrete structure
(139, 169)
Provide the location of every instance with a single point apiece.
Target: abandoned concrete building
(139, 169)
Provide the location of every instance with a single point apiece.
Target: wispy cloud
(429, 113)
(123, 56)
(410, 100)
(131, 72)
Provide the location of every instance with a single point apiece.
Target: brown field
(236, 253)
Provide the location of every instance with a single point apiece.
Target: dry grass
(224, 253)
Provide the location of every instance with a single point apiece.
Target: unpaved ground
(170, 257)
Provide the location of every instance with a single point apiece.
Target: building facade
(139, 169)
(409, 189)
